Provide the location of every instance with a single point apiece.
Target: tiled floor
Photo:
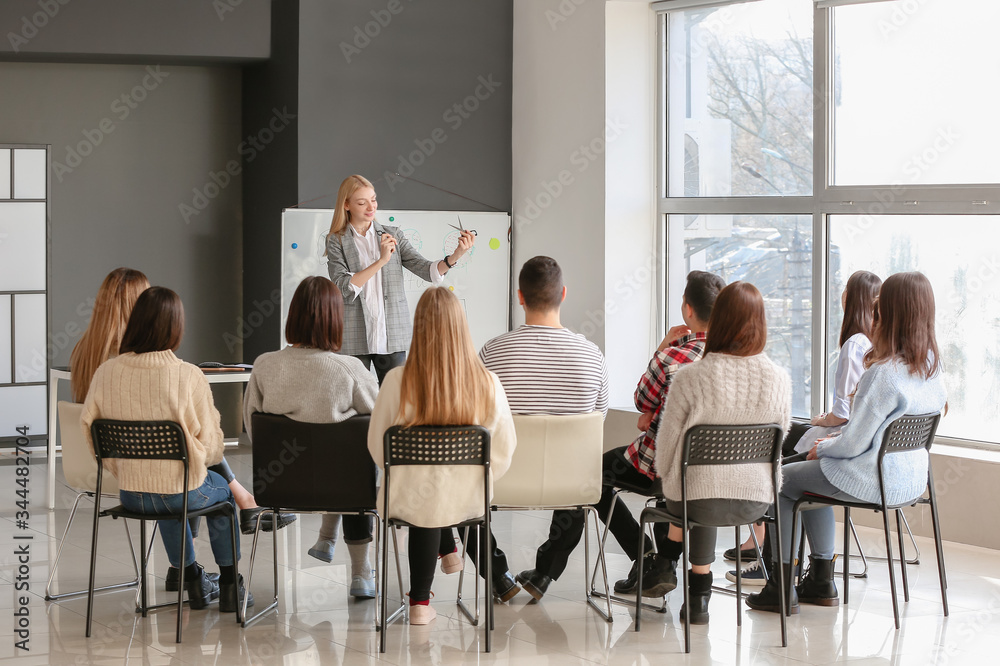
(317, 622)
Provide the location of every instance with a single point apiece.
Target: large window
(792, 166)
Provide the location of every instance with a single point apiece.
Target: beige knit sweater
(157, 386)
(721, 389)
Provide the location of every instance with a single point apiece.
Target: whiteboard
(481, 279)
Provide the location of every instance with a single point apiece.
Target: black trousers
(424, 544)
(383, 363)
(566, 528)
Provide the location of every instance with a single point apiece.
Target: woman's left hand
(465, 242)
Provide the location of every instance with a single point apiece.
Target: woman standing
(443, 383)
(366, 261)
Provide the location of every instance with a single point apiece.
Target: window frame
(827, 199)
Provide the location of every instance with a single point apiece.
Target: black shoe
(202, 589)
(769, 599)
(627, 584)
(534, 583)
(229, 600)
(505, 587)
(817, 586)
(174, 578)
(659, 577)
(699, 592)
(248, 520)
(746, 554)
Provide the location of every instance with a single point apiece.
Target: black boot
(201, 588)
(817, 587)
(699, 592)
(231, 596)
(769, 599)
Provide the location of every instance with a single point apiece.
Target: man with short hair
(544, 369)
(634, 466)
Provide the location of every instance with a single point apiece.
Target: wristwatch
(446, 263)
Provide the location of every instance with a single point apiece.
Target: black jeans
(383, 363)
(723, 512)
(566, 528)
(478, 554)
(423, 547)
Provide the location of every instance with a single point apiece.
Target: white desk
(56, 374)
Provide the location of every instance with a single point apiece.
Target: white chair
(557, 465)
(80, 469)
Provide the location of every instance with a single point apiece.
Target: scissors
(461, 227)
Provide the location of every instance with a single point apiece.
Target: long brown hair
(444, 382)
(112, 308)
(859, 306)
(738, 325)
(905, 328)
(347, 189)
(156, 324)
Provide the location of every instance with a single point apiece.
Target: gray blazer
(343, 261)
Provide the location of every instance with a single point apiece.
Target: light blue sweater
(850, 461)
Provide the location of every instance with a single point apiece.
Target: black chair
(721, 445)
(148, 440)
(437, 445)
(313, 468)
(907, 433)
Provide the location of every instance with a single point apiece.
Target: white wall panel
(5, 376)
(4, 173)
(29, 173)
(29, 338)
(23, 405)
(22, 246)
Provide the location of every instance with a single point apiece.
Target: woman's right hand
(387, 245)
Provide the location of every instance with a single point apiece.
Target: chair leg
(861, 554)
(474, 619)
(180, 577)
(639, 567)
(687, 587)
(247, 620)
(385, 583)
(892, 573)
(938, 547)
(848, 530)
(782, 599)
(241, 608)
(93, 558)
(601, 562)
(604, 536)
(902, 555)
(913, 542)
(739, 576)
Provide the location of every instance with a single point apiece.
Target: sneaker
(322, 550)
(746, 554)
(753, 575)
(362, 588)
(451, 563)
(422, 614)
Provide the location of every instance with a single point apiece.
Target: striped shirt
(547, 370)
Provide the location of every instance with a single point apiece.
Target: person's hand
(818, 420)
(465, 242)
(387, 245)
(812, 451)
(645, 420)
(674, 334)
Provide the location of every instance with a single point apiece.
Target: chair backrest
(557, 462)
(313, 466)
(436, 445)
(139, 440)
(909, 433)
(78, 463)
(731, 445)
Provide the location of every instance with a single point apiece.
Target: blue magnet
(295, 246)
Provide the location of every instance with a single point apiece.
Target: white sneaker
(422, 614)
(451, 563)
(753, 575)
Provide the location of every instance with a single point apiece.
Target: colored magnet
(494, 244)
(451, 287)
(391, 218)
(295, 246)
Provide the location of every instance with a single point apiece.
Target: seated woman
(443, 383)
(902, 377)
(112, 307)
(858, 301)
(735, 383)
(310, 382)
(147, 382)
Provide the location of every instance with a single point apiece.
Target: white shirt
(368, 253)
(850, 367)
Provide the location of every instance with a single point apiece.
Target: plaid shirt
(651, 395)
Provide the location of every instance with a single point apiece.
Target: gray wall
(360, 116)
(120, 206)
(131, 31)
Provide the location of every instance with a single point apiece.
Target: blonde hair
(347, 189)
(444, 382)
(112, 308)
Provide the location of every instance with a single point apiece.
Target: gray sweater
(309, 385)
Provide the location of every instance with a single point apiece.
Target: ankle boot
(769, 599)
(699, 592)
(817, 587)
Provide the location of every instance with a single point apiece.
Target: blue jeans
(212, 491)
(820, 526)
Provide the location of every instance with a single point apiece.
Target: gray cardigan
(343, 262)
